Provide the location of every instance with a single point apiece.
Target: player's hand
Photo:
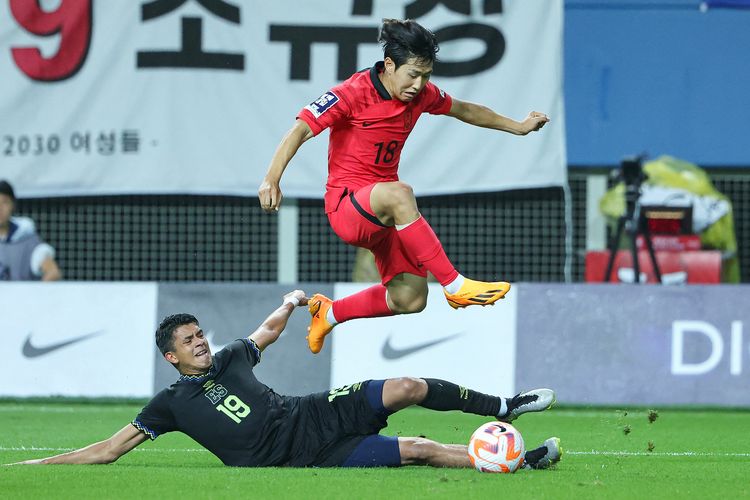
(269, 196)
(296, 294)
(534, 122)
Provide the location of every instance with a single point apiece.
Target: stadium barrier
(594, 344)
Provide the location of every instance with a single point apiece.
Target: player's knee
(412, 390)
(416, 451)
(400, 196)
(403, 192)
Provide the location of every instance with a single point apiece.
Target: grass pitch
(609, 454)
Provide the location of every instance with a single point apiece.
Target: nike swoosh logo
(31, 351)
(391, 353)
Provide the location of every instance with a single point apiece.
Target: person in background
(23, 254)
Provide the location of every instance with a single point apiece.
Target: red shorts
(354, 222)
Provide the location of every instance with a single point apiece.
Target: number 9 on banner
(72, 20)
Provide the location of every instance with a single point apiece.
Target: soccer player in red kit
(370, 116)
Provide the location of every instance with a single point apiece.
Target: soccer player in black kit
(219, 403)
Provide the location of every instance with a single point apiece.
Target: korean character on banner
(106, 143)
(488, 34)
(80, 141)
(191, 54)
(130, 141)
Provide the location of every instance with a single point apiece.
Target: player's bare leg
(421, 451)
(394, 204)
(407, 293)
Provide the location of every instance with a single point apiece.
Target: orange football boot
(477, 293)
(319, 327)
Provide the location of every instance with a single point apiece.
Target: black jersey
(245, 423)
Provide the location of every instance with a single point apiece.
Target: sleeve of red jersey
(326, 110)
(437, 102)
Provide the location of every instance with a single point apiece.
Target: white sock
(455, 285)
(503, 408)
(331, 318)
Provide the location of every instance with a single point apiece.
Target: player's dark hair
(164, 335)
(403, 40)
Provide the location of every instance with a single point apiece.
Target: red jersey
(368, 129)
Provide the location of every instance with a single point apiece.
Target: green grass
(695, 453)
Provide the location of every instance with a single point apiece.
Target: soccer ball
(496, 447)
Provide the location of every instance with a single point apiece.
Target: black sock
(533, 456)
(444, 396)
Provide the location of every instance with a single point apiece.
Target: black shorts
(332, 424)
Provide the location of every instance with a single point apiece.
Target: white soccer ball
(496, 447)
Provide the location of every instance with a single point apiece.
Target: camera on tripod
(632, 175)
(630, 223)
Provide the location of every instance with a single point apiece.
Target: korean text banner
(169, 96)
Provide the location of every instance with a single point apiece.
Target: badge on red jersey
(322, 104)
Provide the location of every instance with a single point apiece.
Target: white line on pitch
(656, 453)
(567, 452)
(44, 448)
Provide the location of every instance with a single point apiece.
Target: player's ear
(169, 356)
(390, 65)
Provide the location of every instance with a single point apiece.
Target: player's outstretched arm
(482, 116)
(103, 452)
(268, 331)
(269, 192)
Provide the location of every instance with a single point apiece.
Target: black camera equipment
(632, 175)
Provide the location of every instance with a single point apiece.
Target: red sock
(421, 242)
(369, 303)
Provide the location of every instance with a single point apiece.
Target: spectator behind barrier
(23, 254)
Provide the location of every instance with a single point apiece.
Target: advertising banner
(635, 344)
(77, 339)
(121, 96)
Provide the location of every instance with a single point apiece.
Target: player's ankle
(330, 318)
(454, 286)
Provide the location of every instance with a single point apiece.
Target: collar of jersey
(374, 71)
(196, 378)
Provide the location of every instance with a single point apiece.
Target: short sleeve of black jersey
(241, 349)
(156, 417)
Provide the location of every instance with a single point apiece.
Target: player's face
(6, 209)
(409, 79)
(191, 350)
